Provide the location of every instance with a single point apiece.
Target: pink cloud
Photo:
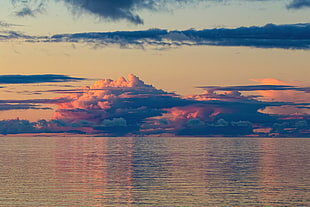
(130, 107)
(293, 96)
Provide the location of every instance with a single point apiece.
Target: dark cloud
(294, 36)
(109, 9)
(45, 78)
(16, 127)
(113, 10)
(299, 4)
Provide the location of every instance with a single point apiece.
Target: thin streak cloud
(45, 78)
(6, 24)
(255, 88)
(19, 106)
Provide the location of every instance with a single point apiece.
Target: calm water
(64, 171)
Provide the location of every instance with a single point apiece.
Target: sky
(155, 68)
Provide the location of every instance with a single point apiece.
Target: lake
(149, 171)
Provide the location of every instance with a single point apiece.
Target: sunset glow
(192, 77)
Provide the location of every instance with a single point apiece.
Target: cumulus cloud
(116, 101)
(130, 107)
(45, 78)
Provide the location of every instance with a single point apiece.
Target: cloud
(5, 24)
(290, 36)
(290, 97)
(16, 127)
(123, 101)
(295, 95)
(29, 8)
(20, 106)
(114, 10)
(299, 4)
(8, 35)
(45, 78)
(36, 101)
(293, 36)
(130, 107)
(251, 88)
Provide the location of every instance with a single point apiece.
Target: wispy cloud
(11, 35)
(45, 78)
(6, 24)
(26, 8)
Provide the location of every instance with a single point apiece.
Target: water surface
(98, 171)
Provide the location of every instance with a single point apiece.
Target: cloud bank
(294, 36)
(291, 36)
(287, 36)
(130, 107)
